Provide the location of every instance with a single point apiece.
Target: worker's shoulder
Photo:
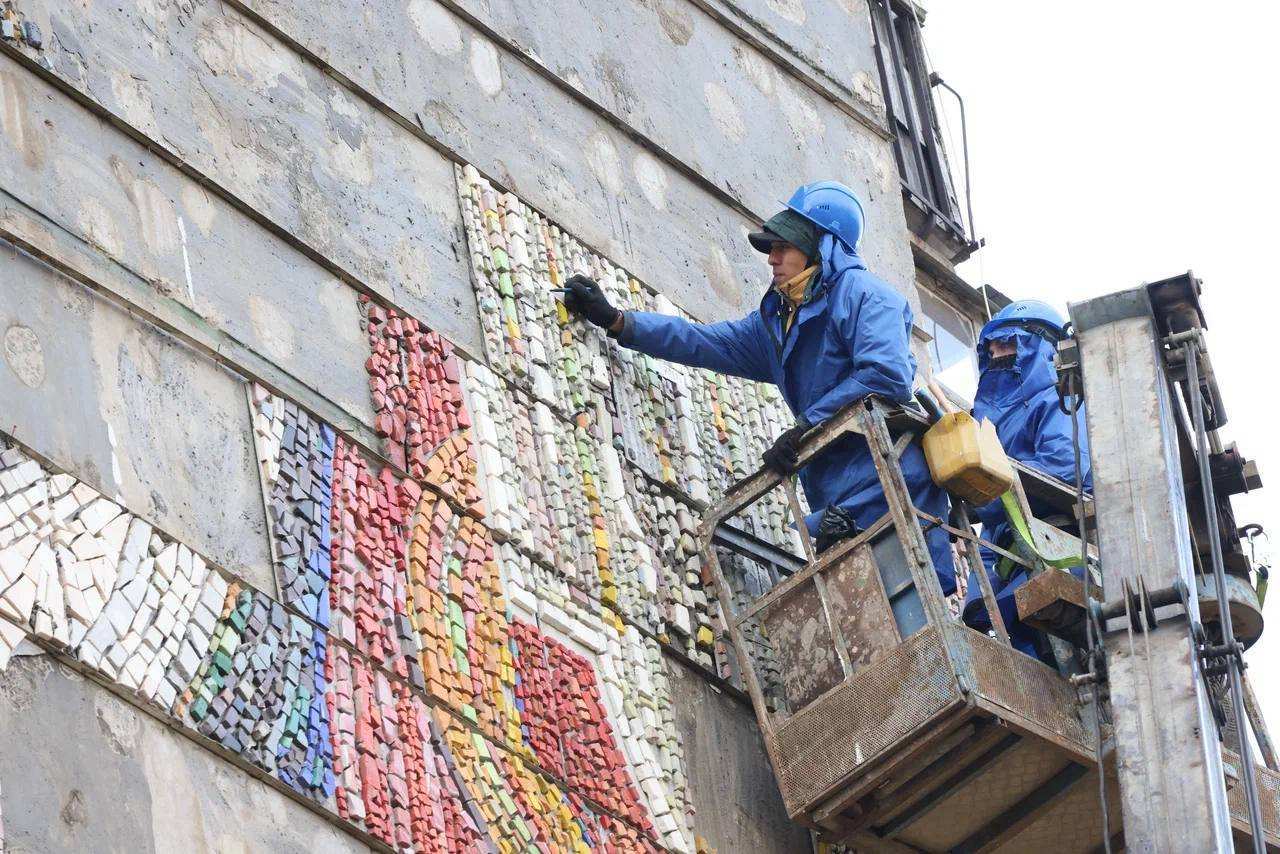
(861, 285)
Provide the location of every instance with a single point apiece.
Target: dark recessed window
(909, 101)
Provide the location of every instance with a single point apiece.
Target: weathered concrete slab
(193, 247)
(285, 139)
(513, 123)
(133, 413)
(730, 779)
(679, 78)
(730, 111)
(831, 37)
(82, 770)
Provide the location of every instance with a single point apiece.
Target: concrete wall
(245, 170)
(595, 131)
(133, 413)
(735, 794)
(94, 773)
(102, 188)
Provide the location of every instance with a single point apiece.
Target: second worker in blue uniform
(1017, 391)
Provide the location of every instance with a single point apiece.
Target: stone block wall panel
(299, 152)
(182, 242)
(130, 412)
(90, 771)
(629, 141)
(698, 89)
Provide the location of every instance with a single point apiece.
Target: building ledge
(929, 260)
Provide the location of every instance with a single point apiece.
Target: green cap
(790, 227)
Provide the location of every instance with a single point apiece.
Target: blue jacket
(1023, 404)
(850, 338)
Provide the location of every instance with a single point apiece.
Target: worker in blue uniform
(1017, 392)
(827, 333)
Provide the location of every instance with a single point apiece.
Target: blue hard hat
(1031, 314)
(832, 207)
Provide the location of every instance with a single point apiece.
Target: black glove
(835, 525)
(583, 297)
(784, 455)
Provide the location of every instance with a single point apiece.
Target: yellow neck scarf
(793, 290)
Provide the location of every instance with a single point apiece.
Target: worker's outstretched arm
(730, 347)
(875, 327)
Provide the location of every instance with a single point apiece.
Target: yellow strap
(1022, 533)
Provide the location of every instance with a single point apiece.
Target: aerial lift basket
(890, 724)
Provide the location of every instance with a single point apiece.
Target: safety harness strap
(1023, 542)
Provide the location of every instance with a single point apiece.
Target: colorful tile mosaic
(466, 648)
(370, 524)
(143, 611)
(441, 766)
(420, 592)
(260, 690)
(571, 734)
(417, 399)
(684, 427)
(296, 458)
(653, 442)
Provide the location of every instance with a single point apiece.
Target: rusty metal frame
(740, 496)
(866, 418)
(792, 584)
(977, 568)
(873, 420)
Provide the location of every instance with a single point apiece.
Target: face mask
(1001, 381)
(1003, 363)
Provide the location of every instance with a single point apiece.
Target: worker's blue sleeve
(875, 333)
(1055, 454)
(729, 347)
(991, 515)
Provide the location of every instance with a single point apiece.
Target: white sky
(1115, 143)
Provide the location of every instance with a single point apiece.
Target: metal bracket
(1091, 685)
(1213, 660)
(1140, 604)
(1066, 361)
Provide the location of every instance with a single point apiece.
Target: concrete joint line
(178, 322)
(776, 49)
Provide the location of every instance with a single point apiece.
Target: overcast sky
(1115, 143)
